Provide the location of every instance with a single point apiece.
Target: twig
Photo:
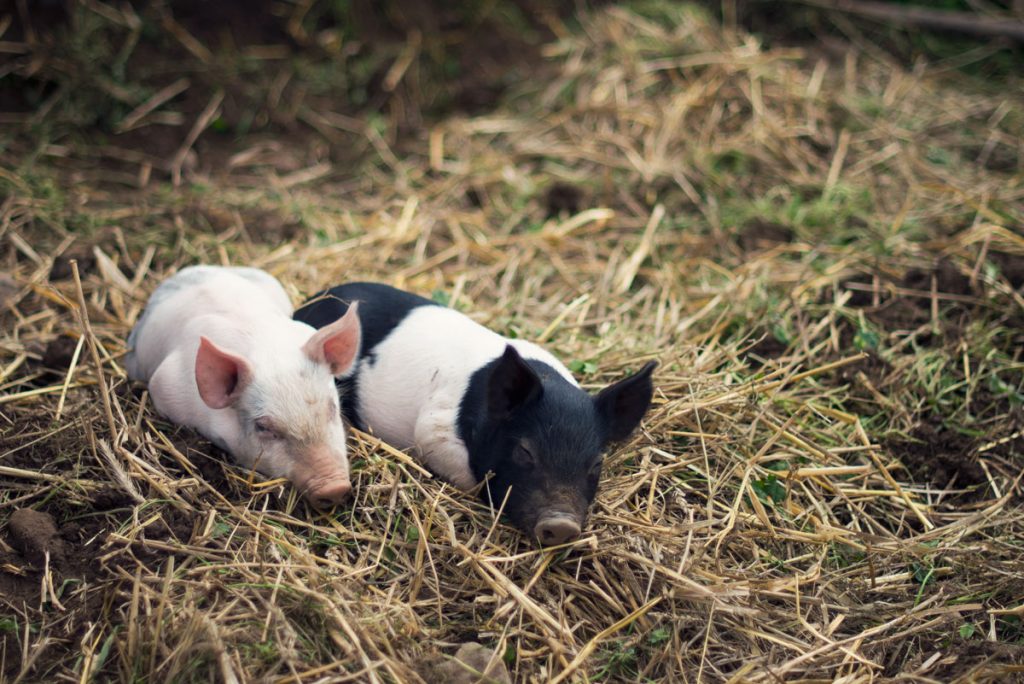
(624, 278)
(204, 120)
(942, 20)
(159, 98)
(83, 318)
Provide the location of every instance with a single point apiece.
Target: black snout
(556, 530)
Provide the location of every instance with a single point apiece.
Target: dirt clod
(758, 234)
(562, 197)
(61, 269)
(34, 533)
(59, 353)
(110, 498)
(473, 663)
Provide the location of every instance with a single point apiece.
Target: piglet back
(388, 307)
(183, 285)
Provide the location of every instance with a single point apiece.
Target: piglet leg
(440, 449)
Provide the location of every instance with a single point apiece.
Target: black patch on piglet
(512, 385)
(390, 307)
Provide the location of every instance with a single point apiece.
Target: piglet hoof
(558, 530)
(329, 495)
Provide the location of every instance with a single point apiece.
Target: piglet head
(545, 438)
(286, 407)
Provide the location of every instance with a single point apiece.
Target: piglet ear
(337, 344)
(512, 384)
(622, 405)
(221, 376)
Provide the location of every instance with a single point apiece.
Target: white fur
(247, 312)
(419, 374)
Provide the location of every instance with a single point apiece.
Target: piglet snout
(329, 493)
(556, 530)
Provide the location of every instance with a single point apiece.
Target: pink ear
(220, 376)
(337, 344)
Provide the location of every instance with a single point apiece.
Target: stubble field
(821, 245)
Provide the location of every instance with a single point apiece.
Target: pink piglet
(221, 354)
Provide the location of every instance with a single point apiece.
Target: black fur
(511, 385)
(622, 405)
(542, 437)
(386, 308)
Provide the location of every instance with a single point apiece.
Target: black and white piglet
(470, 402)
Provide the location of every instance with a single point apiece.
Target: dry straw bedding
(768, 523)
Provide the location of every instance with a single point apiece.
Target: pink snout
(321, 474)
(329, 493)
(556, 530)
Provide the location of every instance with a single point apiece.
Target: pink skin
(221, 377)
(221, 354)
(322, 484)
(318, 468)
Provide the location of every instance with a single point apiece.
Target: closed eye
(265, 428)
(523, 457)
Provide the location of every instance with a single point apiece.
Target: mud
(943, 457)
(767, 348)
(1011, 267)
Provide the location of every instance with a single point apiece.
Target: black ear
(622, 405)
(512, 384)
